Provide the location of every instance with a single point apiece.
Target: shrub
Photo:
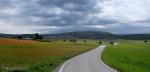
(100, 42)
(84, 41)
(145, 41)
(37, 36)
(19, 37)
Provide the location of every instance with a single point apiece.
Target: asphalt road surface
(87, 62)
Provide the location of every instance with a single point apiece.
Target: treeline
(35, 36)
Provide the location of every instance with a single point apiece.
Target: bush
(145, 41)
(84, 41)
(64, 40)
(73, 40)
(100, 42)
(19, 37)
(111, 42)
(37, 36)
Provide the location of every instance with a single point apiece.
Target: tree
(70, 40)
(145, 41)
(19, 37)
(111, 42)
(37, 36)
(100, 42)
(84, 41)
(64, 40)
(74, 41)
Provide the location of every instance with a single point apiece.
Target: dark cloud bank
(51, 16)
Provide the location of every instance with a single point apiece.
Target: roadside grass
(128, 56)
(40, 56)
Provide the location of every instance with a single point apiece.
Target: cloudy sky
(54, 16)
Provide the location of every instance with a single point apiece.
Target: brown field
(6, 41)
(29, 53)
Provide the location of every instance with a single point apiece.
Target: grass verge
(128, 56)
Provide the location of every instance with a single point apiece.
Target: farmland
(40, 56)
(128, 56)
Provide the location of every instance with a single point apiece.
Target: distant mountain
(16, 35)
(135, 36)
(8, 35)
(82, 35)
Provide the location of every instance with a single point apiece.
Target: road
(87, 62)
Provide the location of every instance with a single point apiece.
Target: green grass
(128, 56)
(40, 56)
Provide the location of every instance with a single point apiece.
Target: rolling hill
(83, 35)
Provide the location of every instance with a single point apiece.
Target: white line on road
(104, 63)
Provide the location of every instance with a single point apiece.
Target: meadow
(40, 56)
(128, 56)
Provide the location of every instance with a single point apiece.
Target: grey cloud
(58, 16)
(5, 4)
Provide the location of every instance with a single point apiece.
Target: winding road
(87, 62)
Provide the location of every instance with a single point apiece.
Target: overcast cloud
(54, 16)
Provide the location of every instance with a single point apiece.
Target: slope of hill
(82, 35)
(7, 35)
(135, 36)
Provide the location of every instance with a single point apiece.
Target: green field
(128, 56)
(40, 56)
